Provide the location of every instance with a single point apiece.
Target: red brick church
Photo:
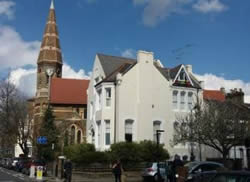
(67, 97)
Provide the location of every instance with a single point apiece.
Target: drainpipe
(115, 113)
(117, 83)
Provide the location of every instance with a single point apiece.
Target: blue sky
(212, 35)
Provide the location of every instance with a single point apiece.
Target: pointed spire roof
(50, 50)
(52, 4)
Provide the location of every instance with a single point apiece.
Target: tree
(220, 125)
(15, 122)
(48, 130)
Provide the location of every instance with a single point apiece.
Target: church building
(67, 97)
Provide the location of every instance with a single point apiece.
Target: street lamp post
(158, 152)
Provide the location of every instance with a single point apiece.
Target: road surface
(12, 176)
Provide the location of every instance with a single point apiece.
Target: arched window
(79, 136)
(129, 130)
(156, 126)
(72, 132)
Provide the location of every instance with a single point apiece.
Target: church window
(129, 130)
(66, 138)
(79, 136)
(73, 130)
(85, 113)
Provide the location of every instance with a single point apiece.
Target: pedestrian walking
(177, 163)
(68, 170)
(117, 171)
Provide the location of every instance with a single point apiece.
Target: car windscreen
(190, 165)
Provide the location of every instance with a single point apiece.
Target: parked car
(151, 173)
(197, 170)
(231, 176)
(14, 162)
(21, 164)
(6, 163)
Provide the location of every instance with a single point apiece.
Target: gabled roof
(170, 74)
(174, 71)
(216, 95)
(68, 91)
(111, 63)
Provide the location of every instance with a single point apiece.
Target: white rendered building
(129, 99)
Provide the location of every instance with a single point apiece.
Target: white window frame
(156, 126)
(129, 128)
(107, 132)
(182, 100)
(175, 100)
(108, 96)
(190, 100)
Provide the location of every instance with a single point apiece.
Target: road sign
(42, 140)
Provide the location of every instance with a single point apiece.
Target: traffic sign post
(42, 140)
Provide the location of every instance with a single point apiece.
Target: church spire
(50, 51)
(50, 55)
(52, 4)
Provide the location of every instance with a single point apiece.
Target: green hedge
(129, 153)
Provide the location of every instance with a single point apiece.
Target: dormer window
(183, 79)
(182, 76)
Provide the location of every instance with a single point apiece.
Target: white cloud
(156, 11)
(207, 6)
(213, 82)
(129, 53)
(6, 8)
(25, 79)
(69, 72)
(14, 51)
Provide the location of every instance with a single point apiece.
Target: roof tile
(68, 91)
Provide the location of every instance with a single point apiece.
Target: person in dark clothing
(176, 164)
(68, 170)
(117, 170)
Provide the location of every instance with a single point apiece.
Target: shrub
(150, 152)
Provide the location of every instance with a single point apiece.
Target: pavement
(12, 176)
